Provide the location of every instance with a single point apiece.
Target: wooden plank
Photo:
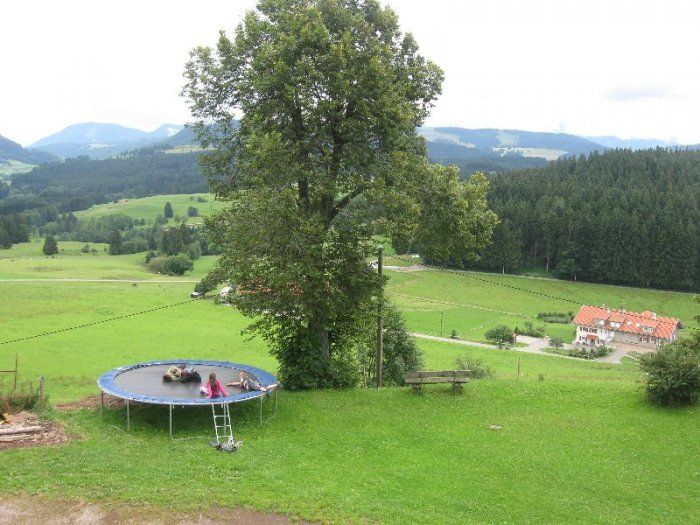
(435, 380)
(14, 437)
(19, 430)
(438, 373)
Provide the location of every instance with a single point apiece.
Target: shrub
(26, 398)
(454, 334)
(85, 249)
(135, 245)
(150, 255)
(477, 368)
(530, 330)
(555, 317)
(178, 264)
(556, 342)
(156, 264)
(194, 251)
(672, 374)
(192, 212)
(500, 334)
(400, 354)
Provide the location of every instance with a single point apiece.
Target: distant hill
(12, 151)
(633, 144)
(102, 140)
(501, 149)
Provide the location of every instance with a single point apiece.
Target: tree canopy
(325, 156)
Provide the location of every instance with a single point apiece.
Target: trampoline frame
(107, 385)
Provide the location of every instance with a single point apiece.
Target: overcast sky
(630, 69)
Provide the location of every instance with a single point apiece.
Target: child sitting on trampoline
(213, 388)
(246, 382)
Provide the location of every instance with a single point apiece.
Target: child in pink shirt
(214, 388)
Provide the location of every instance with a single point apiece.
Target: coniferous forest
(620, 217)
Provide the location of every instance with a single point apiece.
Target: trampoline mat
(148, 381)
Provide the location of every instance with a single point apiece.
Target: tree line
(619, 217)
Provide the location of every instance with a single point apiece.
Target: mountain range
(100, 140)
(486, 149)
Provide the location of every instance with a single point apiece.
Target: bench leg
(457, 388)
(416, 389)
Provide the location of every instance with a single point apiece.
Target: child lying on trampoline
(249, 383)
(182, 373)
(213, 388)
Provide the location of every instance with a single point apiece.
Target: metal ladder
(222, 424)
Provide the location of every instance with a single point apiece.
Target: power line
(110, 319)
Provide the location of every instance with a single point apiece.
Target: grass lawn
(578, 443)
(150, 207)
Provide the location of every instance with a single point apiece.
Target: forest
(619, 217)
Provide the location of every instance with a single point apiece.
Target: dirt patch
(90, 402)
(21, 510)
(51, 434)
(413, 268)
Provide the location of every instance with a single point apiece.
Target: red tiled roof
(631, 322)
(591, 337)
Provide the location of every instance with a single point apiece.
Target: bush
(556, 342)
(672, 374)
(555, 317)
(500, 334)
(192, 212)
(149, 256)
(400, 354)
(178, 264)
(477, 368)
(135, 245)
(18, 400)
(530, 330)
(85, 249)
(194, 251)
(454, 334)
(156, 264)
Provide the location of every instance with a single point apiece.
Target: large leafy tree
(309, 117)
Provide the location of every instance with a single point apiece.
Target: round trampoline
(143, 383)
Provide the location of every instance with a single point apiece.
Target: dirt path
(17, 510)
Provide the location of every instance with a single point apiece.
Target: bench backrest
(441, 373)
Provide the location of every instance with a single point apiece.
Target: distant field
(471, 306)
(10, 167)
(26, 261)
(150, 207)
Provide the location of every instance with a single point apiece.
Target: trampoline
(143, 383)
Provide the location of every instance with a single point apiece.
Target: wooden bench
(456, 377)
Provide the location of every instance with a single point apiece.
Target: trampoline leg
(171, 421)
(128, 417)
(102, 402)
(261, 408)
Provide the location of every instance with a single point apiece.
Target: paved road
(535, 345)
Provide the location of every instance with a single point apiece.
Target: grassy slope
(150, 207)
(417, 292)
(582, 444)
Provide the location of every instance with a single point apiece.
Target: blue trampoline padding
(152, 389)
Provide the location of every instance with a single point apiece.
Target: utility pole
(380, 323)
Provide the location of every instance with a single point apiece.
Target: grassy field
(10, 167)
(471, 303)
(26, 261)
(150, 207)
(578, 443)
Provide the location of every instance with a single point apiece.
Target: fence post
(518, 368)
(41, 392)
(14, 385)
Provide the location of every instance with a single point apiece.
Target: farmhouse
(645, 331)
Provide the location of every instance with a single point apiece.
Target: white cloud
(542, 65)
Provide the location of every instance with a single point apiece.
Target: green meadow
(578, 441)
(150, 207)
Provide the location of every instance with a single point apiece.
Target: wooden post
(518, 368)
(14, 385)
(41, 392)
(380, 324)
(442, 315)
